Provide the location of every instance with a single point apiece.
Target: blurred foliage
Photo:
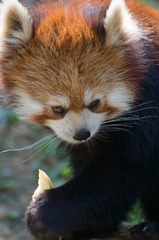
(136, 214)
(154, 3)
(7, 118)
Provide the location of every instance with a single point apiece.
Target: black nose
(82, 134)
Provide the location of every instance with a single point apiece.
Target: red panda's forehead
(50, 71)
(73, 72)
(62, 22)
(62, 29)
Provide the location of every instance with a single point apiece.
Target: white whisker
(44, 154)
(120, 129)
(128, 120)
(27, 147)
(143, 109)
(142, 104)
(38, 150)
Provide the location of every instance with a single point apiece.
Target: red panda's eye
(94, 104)
(59, 110)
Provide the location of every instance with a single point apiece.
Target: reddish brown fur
(66, 55)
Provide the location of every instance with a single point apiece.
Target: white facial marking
(121, 98)
(67, 127)
(59, 100)
(27, 107)
(90, 96)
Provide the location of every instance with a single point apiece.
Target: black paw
(50, 217)
(146, 231)
(36, 225)
(42, 219)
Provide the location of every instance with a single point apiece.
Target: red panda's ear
(120, 24)
(15, 26)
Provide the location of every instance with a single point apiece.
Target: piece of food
(44, 183)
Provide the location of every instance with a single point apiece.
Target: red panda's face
(67, 78)
(76, 125)
(73, 95)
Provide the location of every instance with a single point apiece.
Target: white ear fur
(15, 25)
(119, 22)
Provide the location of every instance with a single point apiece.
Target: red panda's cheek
(62, 130)
(26, 107)
(119, 100)
(39, 119)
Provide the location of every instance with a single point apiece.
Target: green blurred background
(19, 169)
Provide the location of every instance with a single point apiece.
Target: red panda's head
(70, 66)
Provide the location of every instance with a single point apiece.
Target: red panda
(89, 70)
